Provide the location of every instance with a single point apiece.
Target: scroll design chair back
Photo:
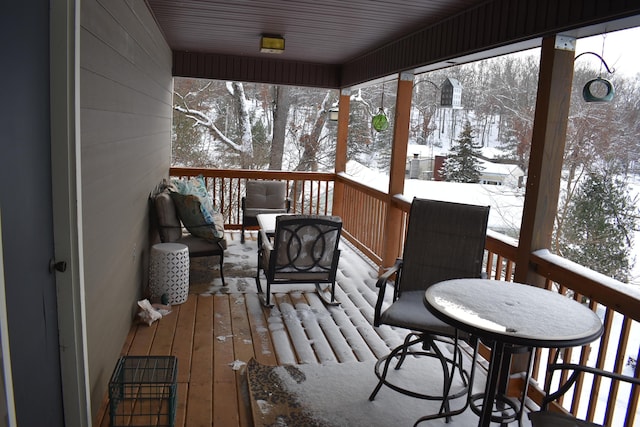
(444, 241)
(571, 374)
(167, 222)
(263, 197)
(304, 250)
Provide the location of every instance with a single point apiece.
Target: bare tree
(311, 141)
(191, 104)
(281, 108)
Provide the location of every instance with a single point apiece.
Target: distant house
(501, 174)
(421, 160)
(498, 171)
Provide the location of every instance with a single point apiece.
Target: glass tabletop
(513, 313)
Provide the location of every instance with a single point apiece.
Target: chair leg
(382, 377)
(447, 377)
(470, 377)
(258, 284)
(267, 298)
(449, 366)
(405, 349)
(221, 270)
(401, 352)
(323, 296)
(445, 410)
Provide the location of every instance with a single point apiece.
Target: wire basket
(142, 391)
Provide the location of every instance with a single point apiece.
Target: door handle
(60, 266)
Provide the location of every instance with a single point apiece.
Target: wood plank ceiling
(341, 43)
(324, 32)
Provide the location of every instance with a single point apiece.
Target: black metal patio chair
(262, 197)
(304, 250)
(443, 241)
(571, 373)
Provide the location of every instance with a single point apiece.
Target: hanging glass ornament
(380, 122)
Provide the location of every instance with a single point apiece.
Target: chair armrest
(577, 370)
(383, 278)
(266, 242)
(381, 284)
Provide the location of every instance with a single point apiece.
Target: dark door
(27, 217)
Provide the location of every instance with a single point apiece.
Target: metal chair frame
(547, 418)
(304, 250)
(454, 230)
(281, 204)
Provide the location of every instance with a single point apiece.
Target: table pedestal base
(500, 409)
(505, 409)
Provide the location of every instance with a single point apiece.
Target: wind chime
(380, 122)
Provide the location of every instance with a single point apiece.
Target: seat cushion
(202, 247)
(265, 195)
(409, 312)
(555, 419)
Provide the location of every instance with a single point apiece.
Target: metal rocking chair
(444, 241)
(304, 250)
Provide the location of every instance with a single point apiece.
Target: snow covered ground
(506, 202)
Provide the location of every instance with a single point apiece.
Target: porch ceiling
(345, 43)
(325, 32)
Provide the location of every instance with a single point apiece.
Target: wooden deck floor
(214, 335)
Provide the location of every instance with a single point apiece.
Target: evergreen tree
(601, 219)
(462, 163)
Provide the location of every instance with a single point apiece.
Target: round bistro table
(505, 315)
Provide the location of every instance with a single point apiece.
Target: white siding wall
(126, 94)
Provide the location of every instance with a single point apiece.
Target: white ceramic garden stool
(169, 272)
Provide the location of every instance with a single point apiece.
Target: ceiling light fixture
(270, 43)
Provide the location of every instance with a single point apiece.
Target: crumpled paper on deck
(152, 312)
